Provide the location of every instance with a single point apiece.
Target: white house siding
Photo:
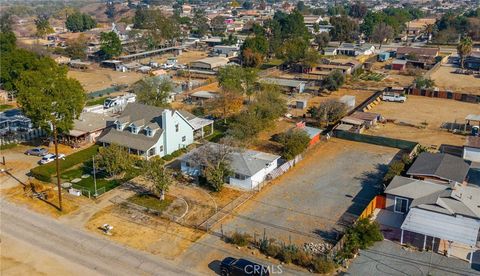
(471, 154)
(253, 181)
(172, 139)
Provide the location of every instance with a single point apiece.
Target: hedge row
(175, 154)
(45, 172)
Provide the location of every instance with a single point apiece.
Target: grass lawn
(5, 107)
(88, 183)
(152, 202)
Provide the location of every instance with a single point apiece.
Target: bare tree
(214, 161)
(382, 33)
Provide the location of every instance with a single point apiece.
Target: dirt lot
(154, 235)
(307, 203)
(263, 143)
(445, 79)
(427, 115)
(184, 58)
(97, 78)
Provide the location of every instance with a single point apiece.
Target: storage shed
(399, 64)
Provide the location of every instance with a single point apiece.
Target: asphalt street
(82, 248)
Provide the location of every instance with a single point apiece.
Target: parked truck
(394, 97)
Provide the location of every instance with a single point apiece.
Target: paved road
(389, 258)
(88, 250)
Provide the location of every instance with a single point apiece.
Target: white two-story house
(152, 131)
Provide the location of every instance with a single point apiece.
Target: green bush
(168, 157)
(45, 172)
(288, 254)
(240, 239)
(323, 265)
(361, 236)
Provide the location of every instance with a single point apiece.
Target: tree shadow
(372, 185)
(333, 234)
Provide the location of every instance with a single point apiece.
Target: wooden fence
(377, 202)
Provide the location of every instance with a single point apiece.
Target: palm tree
(464, 48)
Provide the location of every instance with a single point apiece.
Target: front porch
(201, 127)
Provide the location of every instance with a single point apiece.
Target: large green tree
(114, 159)
(111, 46)
(344, 29)
(43, 26)
(153, 91)
(293, 142)
(51, 100)
(159, 175)
(80, 22)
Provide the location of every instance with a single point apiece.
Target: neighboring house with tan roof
(150, 131)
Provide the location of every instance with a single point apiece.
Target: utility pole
(55, 141)
(94, 177)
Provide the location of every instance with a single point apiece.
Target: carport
(457, 229)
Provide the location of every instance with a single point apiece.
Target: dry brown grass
(23, 196)
(157, 236)
(445, 79)
(427, 114)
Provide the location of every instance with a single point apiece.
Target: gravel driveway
(335, 182)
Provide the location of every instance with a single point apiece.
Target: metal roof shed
(452, 228)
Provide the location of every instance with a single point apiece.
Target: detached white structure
(250, 168)
(471, 150)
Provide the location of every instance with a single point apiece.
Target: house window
(184, 138)
(119, 126)
(134, 129)
(151, 152)
(161, 148)
(401, 205)
(176, 128)
(239, 176)
(149, 132)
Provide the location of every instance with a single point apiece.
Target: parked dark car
(233, 267)
(37, 151)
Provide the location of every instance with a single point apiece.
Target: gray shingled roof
(127, 139)
(441, 165)
(245, 162)
(440, 198)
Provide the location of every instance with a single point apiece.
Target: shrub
(8, 146)
(323, 265)
(240, 239)
(45, 172)
(288, 253)
(396, 168)
(302, 258)
(361, 236)
(167, 157)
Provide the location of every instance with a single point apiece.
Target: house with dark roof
(250, 167)
(447, 214)
(439, 168)
(150, 131)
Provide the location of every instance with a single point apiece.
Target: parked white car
(50, 157)
(166, 66)
(394, 97)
